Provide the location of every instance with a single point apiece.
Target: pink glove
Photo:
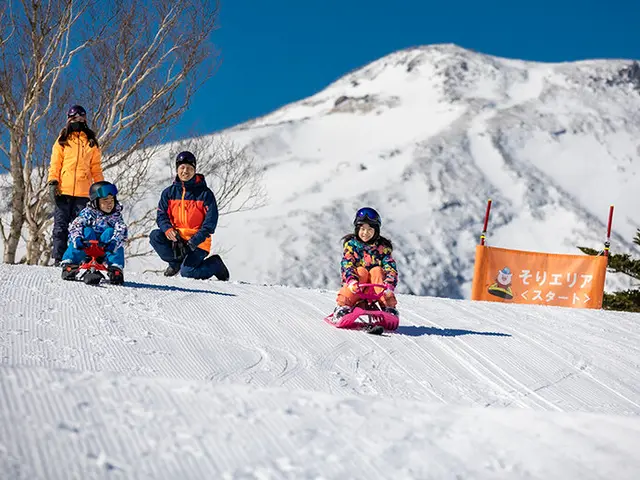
(353, 286)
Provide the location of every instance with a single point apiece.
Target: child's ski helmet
(102, 190)
(369, 216)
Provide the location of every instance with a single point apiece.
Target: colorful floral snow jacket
(99, 222)
(191, 208)
(358, 254)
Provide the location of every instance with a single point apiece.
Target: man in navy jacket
(187, 216)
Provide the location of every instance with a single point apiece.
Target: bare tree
(138, 189)
(135, 65)
(39, 210)
(231, 172)
(36, 48)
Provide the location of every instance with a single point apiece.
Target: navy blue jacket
(191, 209)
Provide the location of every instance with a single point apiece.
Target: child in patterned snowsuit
(100, 220)
(366, 259)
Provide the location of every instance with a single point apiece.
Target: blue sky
(279, 51)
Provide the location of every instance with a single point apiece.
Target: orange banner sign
(516, 276)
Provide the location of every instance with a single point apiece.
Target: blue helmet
(369, 216)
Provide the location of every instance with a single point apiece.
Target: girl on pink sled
(366, 259)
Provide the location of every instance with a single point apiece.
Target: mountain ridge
(427, 135)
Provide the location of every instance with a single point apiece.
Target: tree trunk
(17, 201)
(33, 247)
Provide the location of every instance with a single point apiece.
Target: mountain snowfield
(170, 378)
(426, 136)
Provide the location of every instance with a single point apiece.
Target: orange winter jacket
(189, 207)
(76, 165)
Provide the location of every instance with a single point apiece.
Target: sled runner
(367, 314)
(90, 271)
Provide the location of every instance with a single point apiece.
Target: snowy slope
(427, 135)
(175, 378)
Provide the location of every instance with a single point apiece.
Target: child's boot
(69, 271)
(340, 311)
(392, 311)
(116, 277)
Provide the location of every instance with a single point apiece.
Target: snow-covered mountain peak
(426, 135)
(449, 74)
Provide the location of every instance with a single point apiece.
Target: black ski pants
(67, 208)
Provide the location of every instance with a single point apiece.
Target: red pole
(486, 222)
(607, 244)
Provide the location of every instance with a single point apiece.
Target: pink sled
(369, 316)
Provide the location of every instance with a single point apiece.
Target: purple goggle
(76, 110)
(367, 214)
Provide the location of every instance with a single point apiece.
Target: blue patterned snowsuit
(93, 224)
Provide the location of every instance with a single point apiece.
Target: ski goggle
(367, 214)
(105, 190)
(76, 110)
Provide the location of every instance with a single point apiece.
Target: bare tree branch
(231, 172)
(135, 63)
(31, 60)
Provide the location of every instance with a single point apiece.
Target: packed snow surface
(176, 378)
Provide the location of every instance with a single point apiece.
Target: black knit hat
(186, 157)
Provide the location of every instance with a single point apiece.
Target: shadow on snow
(172, 288)
(418, 331)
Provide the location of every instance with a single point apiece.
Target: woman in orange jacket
(75, 166)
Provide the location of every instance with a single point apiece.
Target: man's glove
(110, 246)
(53, 190)
(180, 248)
(79, 243)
